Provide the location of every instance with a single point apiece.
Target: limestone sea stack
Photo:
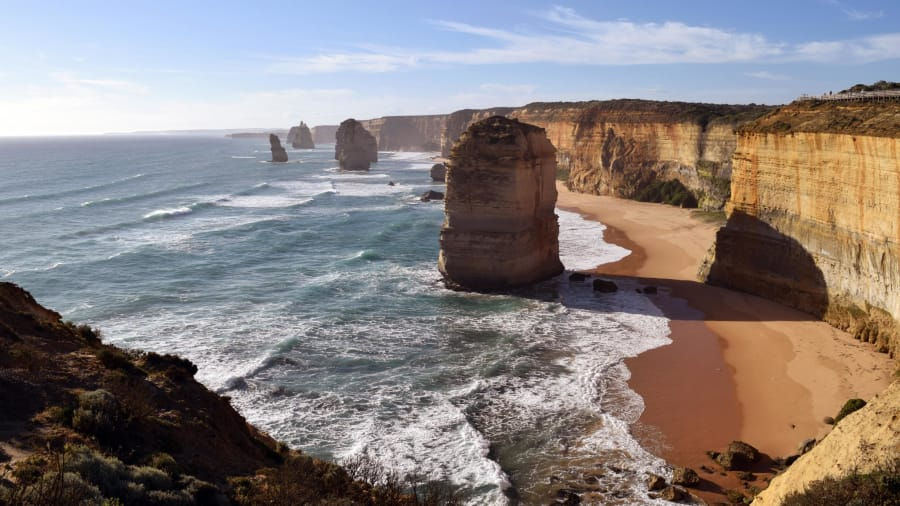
(278, 152)
(355, 148)
(299, 137)
(500, 230)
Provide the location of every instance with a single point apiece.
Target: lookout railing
(876, 96)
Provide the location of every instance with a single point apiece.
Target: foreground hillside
(82, 423)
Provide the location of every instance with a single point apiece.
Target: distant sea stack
(299, 137)
(355, 147)
(278, 152)
(500, 229)
(814, 215)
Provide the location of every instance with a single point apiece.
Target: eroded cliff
(407, 133)
(814, 216)
(500, 229)
(324, 134)
(619, 147)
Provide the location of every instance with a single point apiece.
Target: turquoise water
(312, 298)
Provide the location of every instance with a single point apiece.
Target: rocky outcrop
(457, 123)
(814, 216)
(500, 230)
(355, 147)
(299, 137)
(278, 153)
(407, 133)
(323, 134)
(438, 172)
(865, 441)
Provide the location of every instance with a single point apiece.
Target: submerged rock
(355, 148)
(655, 482)
(299, 137)
(278, 152)
(431, 195)
(685, 476)
(438, 172)
(500, 229)
(578, 277)
(604, 286)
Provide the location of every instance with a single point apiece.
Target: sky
(90, 67)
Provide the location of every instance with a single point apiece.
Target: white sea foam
(581, 244)
(167, 213)
(263, 201)
(243, 157)
(349, 189)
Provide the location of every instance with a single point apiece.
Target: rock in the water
(500, 229)
(577, 276)
(685, 476)
(674, 494)
(278, 152)
(355, 148)
(739, 455)
(655, 482)
(604, 286)
(299, 137)
(567, 496)
(650, 290)
(438, 172)
(391, 183)
(431, 195)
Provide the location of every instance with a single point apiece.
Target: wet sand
(739, 367)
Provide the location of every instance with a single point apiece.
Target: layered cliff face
(279, 154)
(864, 441)
(299, 137)
(619, 147)
(814, 216)
(355, 147)
(407, 133)
(500, 230)
(324, 134)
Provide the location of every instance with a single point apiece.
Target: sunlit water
(312, 298)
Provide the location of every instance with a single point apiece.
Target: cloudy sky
(84, 67)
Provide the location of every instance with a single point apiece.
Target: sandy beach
(739, 367)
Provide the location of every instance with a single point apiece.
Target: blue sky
(92, 67)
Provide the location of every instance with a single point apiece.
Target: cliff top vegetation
(637, 110)
(871, 118)
(82, 422)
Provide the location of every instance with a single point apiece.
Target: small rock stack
(279, 155)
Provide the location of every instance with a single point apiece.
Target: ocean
(311, 297)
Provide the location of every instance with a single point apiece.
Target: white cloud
(578, 40)
(764, 74)
(71, 80)
(856, 15)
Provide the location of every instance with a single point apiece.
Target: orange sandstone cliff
(814, 216)
(620, 147)
(500, 229)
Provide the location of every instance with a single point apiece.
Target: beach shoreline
(739, 367)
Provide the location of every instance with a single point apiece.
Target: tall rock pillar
(500, 230)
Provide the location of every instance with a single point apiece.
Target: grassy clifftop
(652, 110)
(873, 118)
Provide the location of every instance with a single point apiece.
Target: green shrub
(172, 365)
(164, 462)
(849, 407)
(671, 192)
(98, 414)
(117, 360)
(881, 488)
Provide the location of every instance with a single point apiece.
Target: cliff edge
(814, 216)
